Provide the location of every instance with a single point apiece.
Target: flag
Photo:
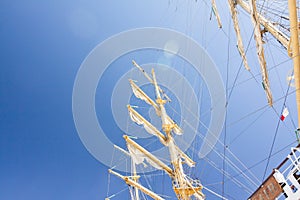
(285, 113)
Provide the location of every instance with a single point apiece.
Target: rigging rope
(234, 166)
(276, 131)
(226, 107)
(261, 161)
(218, 140)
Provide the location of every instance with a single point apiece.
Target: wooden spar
(184, 156)
(137, 185)
(122, 150)
(139, 93)
(280, 36)
(295, 50)
(149, 155)
(150, 79)
(157, 133)
(260, 51)
(215, 9)
(240, 45)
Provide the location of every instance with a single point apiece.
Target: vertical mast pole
(295, 50)
(136, 190)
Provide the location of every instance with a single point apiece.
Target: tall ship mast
(183, 186)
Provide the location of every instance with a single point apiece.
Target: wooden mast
(181, 186)
(185, 188)
(133, 183)
(295, 50)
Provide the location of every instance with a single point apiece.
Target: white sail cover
(174, 154)
(135, 118)
(138, 157)
(150, 129)
(135, 154)
(139, 94)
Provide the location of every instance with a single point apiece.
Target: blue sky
(43, 44)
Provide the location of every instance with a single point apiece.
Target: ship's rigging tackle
(258, 21)
(283, 182)
(183, 186)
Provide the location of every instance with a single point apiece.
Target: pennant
(285, 113)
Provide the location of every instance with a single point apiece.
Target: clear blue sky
(43, 44)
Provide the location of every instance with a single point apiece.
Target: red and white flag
(285, 113)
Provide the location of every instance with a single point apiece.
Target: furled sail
(240, 45)
(138, 92)
(137, 118)
(141, 95)
(139, 154)
(138, 157)
(260, 51)
(215, 10)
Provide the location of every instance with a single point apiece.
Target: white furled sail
(139, 93)
(141, 154)
(215, 10)
(260, 51)
(133, 183)
(138, 157)
(137, 118)
(240, 45)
